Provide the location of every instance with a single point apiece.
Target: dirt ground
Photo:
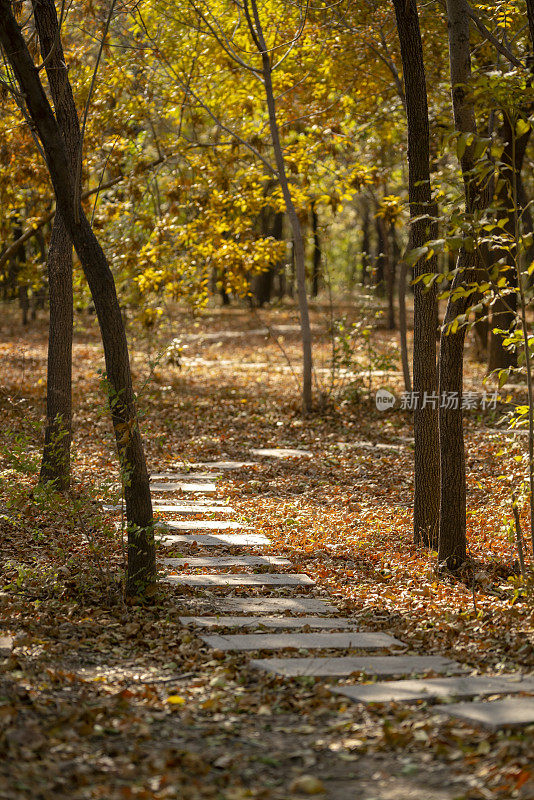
(100, 699)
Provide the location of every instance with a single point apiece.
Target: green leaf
(522, 127)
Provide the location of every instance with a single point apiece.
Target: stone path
(191, 508)
(230, 579)
(184, 476)
(215, 540)
(226, 561)
(184, 487)
(268, 622)
(307, 641)
(409, 691)
(282, 452)
(266, 605)
(509, 713)
(312, 632)
(337, 667)
(203, 525)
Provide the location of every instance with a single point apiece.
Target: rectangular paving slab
(510, 713)
(345, 665)
(185, 476)
(203, 525)
(208, 488)
(309, 641)
(6, 645)
(281, 452)
(436, 688)
(229, 465)
(192, 508)
(226, 561)
(173, 508)
(215, 539)
(280, 623)
(268, 605)
(230, 579)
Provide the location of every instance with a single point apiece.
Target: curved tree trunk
(423, 227)
(141, 551)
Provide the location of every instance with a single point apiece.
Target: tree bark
(298, 240)
(366, 240)
(141, 552)
(503, 312)
(403, 328)
(380, 258)
(55, 465)
(316, 264)
(423, 227)
(452, 531)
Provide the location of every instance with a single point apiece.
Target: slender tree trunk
(392, 255)
(503, 312)
(316, 265)
(298, 240)
(55, 465)
(452, 532)
(403, 328)
(366, 240)
(141, 552)
(380, 258)
(423, 227)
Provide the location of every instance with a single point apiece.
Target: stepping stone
(509, 713)
(268, 622)
(309, 641)
(192, 509)
(281, 452)
(202, 525)
(230, 579)
(225, 464)
(226, 561)
(346, 665)
(6, 645)
(184, 476)
(216, 540)
(436, 688)
(183, 487)
(267, 605)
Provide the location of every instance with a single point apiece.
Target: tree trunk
(452, 532)
(423, 227)
(403, 328)
(55, 465)
(503, 312)
(392, 255)
(380, 258)
(141, 552)
(298, 241)
(366, 241)
(316, 265)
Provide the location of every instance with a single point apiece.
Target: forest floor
(100, 699)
